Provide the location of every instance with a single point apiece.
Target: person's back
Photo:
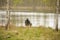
(27, 22)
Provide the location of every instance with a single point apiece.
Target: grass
(33, 33)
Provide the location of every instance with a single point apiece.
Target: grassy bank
(40, 33)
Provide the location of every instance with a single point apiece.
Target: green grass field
(40, 33)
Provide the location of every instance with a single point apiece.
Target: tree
(8, 16)
(17, 2)
(57, 12)
(3, 3)
(34, 5)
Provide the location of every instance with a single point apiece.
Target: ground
(32, 33)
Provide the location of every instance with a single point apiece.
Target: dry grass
(31, 33)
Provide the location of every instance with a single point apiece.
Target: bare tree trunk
(56, 22)
(34, 5)
(8, 14)
(57, 12)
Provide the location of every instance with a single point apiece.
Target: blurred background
(39, 12)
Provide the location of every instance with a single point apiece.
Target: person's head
(27, 19)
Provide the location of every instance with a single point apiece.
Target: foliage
(50, 5)
(36, 2)
(16, 2)
(41, 33)
(3, 3)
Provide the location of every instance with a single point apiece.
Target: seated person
(27, 22)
